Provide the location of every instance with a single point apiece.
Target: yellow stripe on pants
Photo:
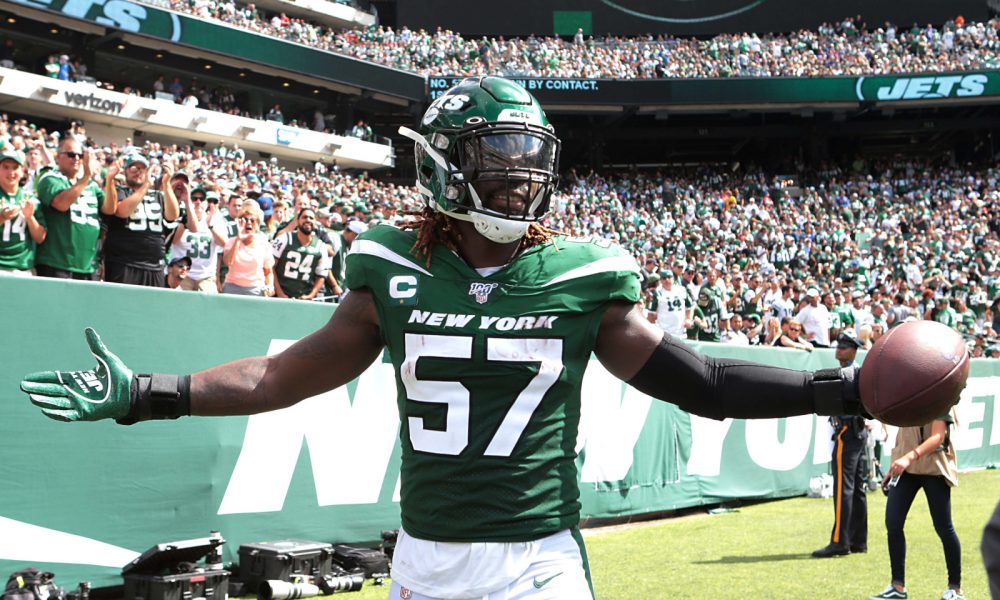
(839, 502)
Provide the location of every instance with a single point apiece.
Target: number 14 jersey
(488, 373)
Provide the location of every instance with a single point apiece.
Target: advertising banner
(752, 91)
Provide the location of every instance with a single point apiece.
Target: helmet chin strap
(499, 230)
(495, 229)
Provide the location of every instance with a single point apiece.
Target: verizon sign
(93, 102)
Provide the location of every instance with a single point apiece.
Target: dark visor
(498, 152)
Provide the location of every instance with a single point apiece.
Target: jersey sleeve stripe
(373, 248)
(604, 265)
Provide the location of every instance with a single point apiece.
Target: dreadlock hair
(434, 227)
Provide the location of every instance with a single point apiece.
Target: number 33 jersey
(488, 372)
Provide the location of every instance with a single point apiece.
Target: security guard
(850, 472)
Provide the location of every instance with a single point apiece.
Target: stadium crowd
(848, 47)
(863, 247)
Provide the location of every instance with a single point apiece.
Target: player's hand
(104, 392)
(167, 171)
(28, 210)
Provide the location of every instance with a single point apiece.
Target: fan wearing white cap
(341, 247)
(815, 319)
(355, 227)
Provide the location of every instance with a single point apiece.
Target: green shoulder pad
(590, 267)
(378, 249)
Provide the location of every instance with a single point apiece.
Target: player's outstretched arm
(656, 364)
(327, 358)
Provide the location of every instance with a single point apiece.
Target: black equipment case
(168, 572)
(372, 563)
(282, 560)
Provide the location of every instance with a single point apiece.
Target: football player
(489, 319)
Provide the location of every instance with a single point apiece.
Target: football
(914, 373)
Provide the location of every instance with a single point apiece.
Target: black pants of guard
(897, 506)
(850, 487)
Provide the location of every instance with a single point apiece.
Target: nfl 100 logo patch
(482, 291)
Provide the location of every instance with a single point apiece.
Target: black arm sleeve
(724, 388)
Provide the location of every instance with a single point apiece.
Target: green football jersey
(488, 376)
(298, 265)
(711, 303)
(17, 249)
(71, 242)
(338, 264)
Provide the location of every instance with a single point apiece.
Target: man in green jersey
(340, 248)
(70, 202)
(301, 259)
(490, 320)
(943, 313)
(22, 225)
(711, 303)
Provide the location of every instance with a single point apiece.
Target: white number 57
(454, 438)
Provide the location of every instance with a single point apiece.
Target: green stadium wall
(82, 499)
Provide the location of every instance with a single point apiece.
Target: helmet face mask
(511, 163)
(487, 154)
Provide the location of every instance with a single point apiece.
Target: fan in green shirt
(70, 200)
(711, 303)
(945, 314)
(22, 225)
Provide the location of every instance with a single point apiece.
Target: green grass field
(762, 551)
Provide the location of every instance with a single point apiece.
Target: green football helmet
(486, 153)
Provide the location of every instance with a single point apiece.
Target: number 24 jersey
(488, 376)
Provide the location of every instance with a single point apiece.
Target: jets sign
(921, 88)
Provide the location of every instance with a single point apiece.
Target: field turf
(763, 551)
